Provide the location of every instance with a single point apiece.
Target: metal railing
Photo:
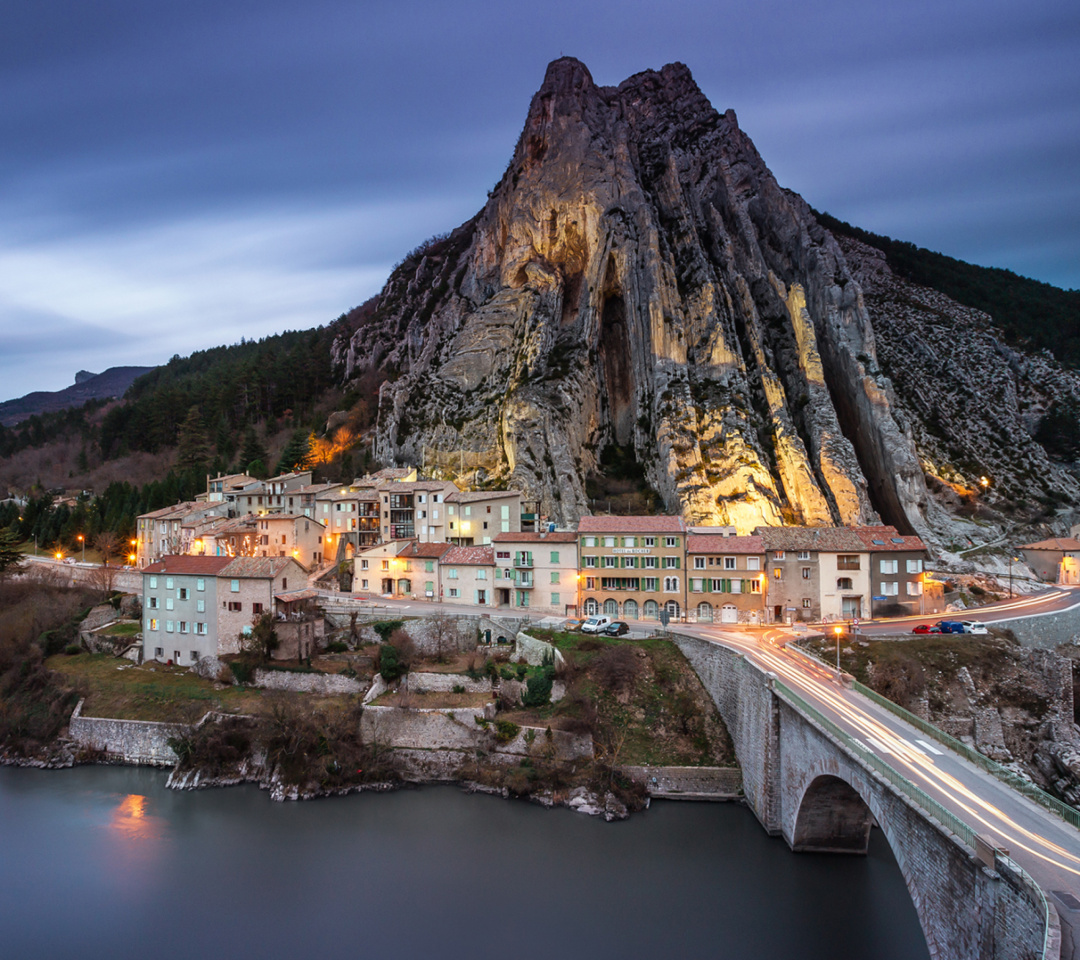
(1018, 783)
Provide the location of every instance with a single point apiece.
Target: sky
(178, 176)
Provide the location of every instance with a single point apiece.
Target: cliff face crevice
(639, 278)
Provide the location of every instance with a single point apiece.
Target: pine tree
(253, 452)
(296, 453)
(11, 557)
(193, 445)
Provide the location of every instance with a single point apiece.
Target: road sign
(854, 621)
(879, 598)
(665, 617)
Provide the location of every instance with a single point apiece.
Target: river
(104, 862)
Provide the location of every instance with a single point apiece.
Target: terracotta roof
(255, 567)
(469, 556)
(335, 493)
(392, 473)
(177, 510)
(291, 475)
(296, 595)
(291, 516)
(631, 525)
(433, 551)
(472, 496)
(711, 543)
(883, 539)
(418, 486)
(186, 565)
(1054, 543)
(556, 536)
(823, 539)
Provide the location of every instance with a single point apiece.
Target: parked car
(571, 624)
(951, 626)
(617, 628)
(595, 624)
(927, 628)
(973, 626)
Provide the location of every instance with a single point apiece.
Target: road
(1045, 846)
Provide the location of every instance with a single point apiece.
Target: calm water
(102, 862)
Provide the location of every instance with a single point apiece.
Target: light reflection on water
(138, 870)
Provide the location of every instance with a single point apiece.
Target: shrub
(538, 688)
(491, 669)
(617, 669)
(336, 646)
(390, 665)
(505, 731)
(506, 673)
(242, 671)
(458, 688)
(72, 649)
(384, 628)
(522, 669)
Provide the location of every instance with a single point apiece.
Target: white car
(973, 626)
(595, 624)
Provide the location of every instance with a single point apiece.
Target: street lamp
(1012, 560)
(83, 542)
(838, 630)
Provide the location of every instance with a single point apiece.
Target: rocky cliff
(639, 279)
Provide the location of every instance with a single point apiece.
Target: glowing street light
(838, 630)
(83, 542)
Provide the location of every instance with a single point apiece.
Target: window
(696, 586)
(650, 541)
(671, 584)
(200, 628)
(729, 563)
(588, 542)
(194, 655)
(629, 563)
(386, 565)
(699, 563)
(152, 603)
(590, 583)
(890, 589)
(844, 583)
(154, 624)
(284, 583)
(778, 573)
(806, 573)
(256, 609)
(481, 574)
(168, 626)
(671, 563)
(649, 563)
(671, 541)
(847, 561)
(806, 603)
(629, 541)
(168, 583)
(554, 576)
(168, 603)
(753, 563)
(234, 587)
(554, 556)
(650, 584)
(453, 591)
(590, 562)
(502, 554)
(914, 566)
(182, 593)
(153, 583)
(363, 585)
(429, 566)
(609, 541)
(452, 573)
(778, 554)
(736, 586)
(914, 588)
(717, 586)
(755, 586)
(554, 600)
(200, 584)
(611, 562)
(235, 606)
(890, 566)
(159, 652)
(183, 626)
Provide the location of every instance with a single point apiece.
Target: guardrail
(921, 799)
(1011, 779)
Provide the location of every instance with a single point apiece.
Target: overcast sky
(176, 176)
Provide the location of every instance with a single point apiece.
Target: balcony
(523, 561)
(525, 582)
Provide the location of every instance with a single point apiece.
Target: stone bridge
(803, 782)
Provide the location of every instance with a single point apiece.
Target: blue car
(951, 626)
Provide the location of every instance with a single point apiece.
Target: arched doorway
(591, 607)
(704, 612)
(672, 607)
(651, 610)
(630, 610)
(611, 607)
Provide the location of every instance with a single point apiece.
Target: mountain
(638, 281)
(88, 386)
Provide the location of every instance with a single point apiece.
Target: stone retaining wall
(689, 783)
(445, 683)
(132, 741)
(324, 684)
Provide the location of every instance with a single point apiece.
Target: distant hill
(114, 382)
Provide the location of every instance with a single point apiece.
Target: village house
(537, 571)
(467, 576)
(415, 508)
(351, 515)
(1056, 560)
(632, 567)
(815, 573)
(170, 530)
(898, 577)
(726, 579)
(227, 488)
(478, 516)
(383, 569)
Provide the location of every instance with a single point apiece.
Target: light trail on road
(819, 685)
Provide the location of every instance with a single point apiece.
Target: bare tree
(108, 544)
(102, 578)
(444, 636)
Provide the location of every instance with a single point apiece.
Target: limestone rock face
(638, 278)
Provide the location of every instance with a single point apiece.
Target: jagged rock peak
(639, 280)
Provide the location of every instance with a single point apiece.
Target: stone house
(537, 571)
(246, 590)
(478, 516)
(815, 573)
(291, 535)
(726, 579)
(227, 488)
(414, 509)
(398, 568)
(1056, 560)
(169, 531)
(467, 576)
(632, 567)
(351, 516)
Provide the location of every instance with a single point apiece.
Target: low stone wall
(324, 684)
(458, 730)
(131, 741)
(445, 683)
(534, 652)
(689, 783)
(1044, 632)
